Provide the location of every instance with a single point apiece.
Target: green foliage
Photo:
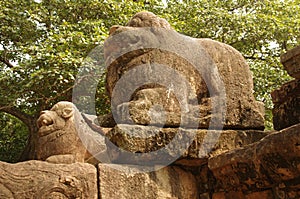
(12, 140)
(42, 45)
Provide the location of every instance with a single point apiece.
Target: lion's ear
(67, 113)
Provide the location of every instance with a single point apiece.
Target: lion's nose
(45, 122)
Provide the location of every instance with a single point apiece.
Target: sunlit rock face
(38, 179)
(196, 82)
(65, 137)
(286, 99)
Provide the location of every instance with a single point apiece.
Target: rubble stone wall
(269, 168)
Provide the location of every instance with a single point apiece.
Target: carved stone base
(36, 179)
(169, 182)
(272, 162)
(195, 145)
(286, 111)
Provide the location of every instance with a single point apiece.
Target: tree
(43, 43)
(12, 140)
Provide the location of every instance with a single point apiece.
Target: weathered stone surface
(155, 107)
(273, 161)
(286, 111)
(287, 90)
(36, 179)
(169, 182)
(219, 63)
(105, 121)
(240, 195)
(291, 62)
(268, 194)
(64, 133)
(148, 19)
(145, 139)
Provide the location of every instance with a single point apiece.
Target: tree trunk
(29, 152)
(30, 122)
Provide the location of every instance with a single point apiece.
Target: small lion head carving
(55, 118)
(65, 137)
(57, 133)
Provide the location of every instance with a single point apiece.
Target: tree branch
(255, 58)
(27, 119)
(6, 62)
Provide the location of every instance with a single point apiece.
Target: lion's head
(55, 118)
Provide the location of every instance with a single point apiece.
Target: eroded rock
(286, 99)
(273, 161)
(169, 182)
(64, 133)
(37, 179)
(193, 70)
(190, 147)
(291, 62)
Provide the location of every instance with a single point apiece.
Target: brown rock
(148, 19)
(220, 195)
(64, 133)
(153, 107)
(288, 90)
(106, 121)
(271, 161)
(169, 182)
(36, 179)
(204, 196)
(169, 144)
(291, 62)
(261, 194)
(286, 114)
(286, 111)
(240, 195)
(194, 70)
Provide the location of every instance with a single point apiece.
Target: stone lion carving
(64, 136)
(149, 42)
(148, 19)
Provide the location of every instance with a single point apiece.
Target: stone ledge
(272, 161)
(145, 139)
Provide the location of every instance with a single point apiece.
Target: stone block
(291, 62)
(187, 146)
(169, 182)
(37, 179)
(286, 111)
(261, 194)
(271, 161)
